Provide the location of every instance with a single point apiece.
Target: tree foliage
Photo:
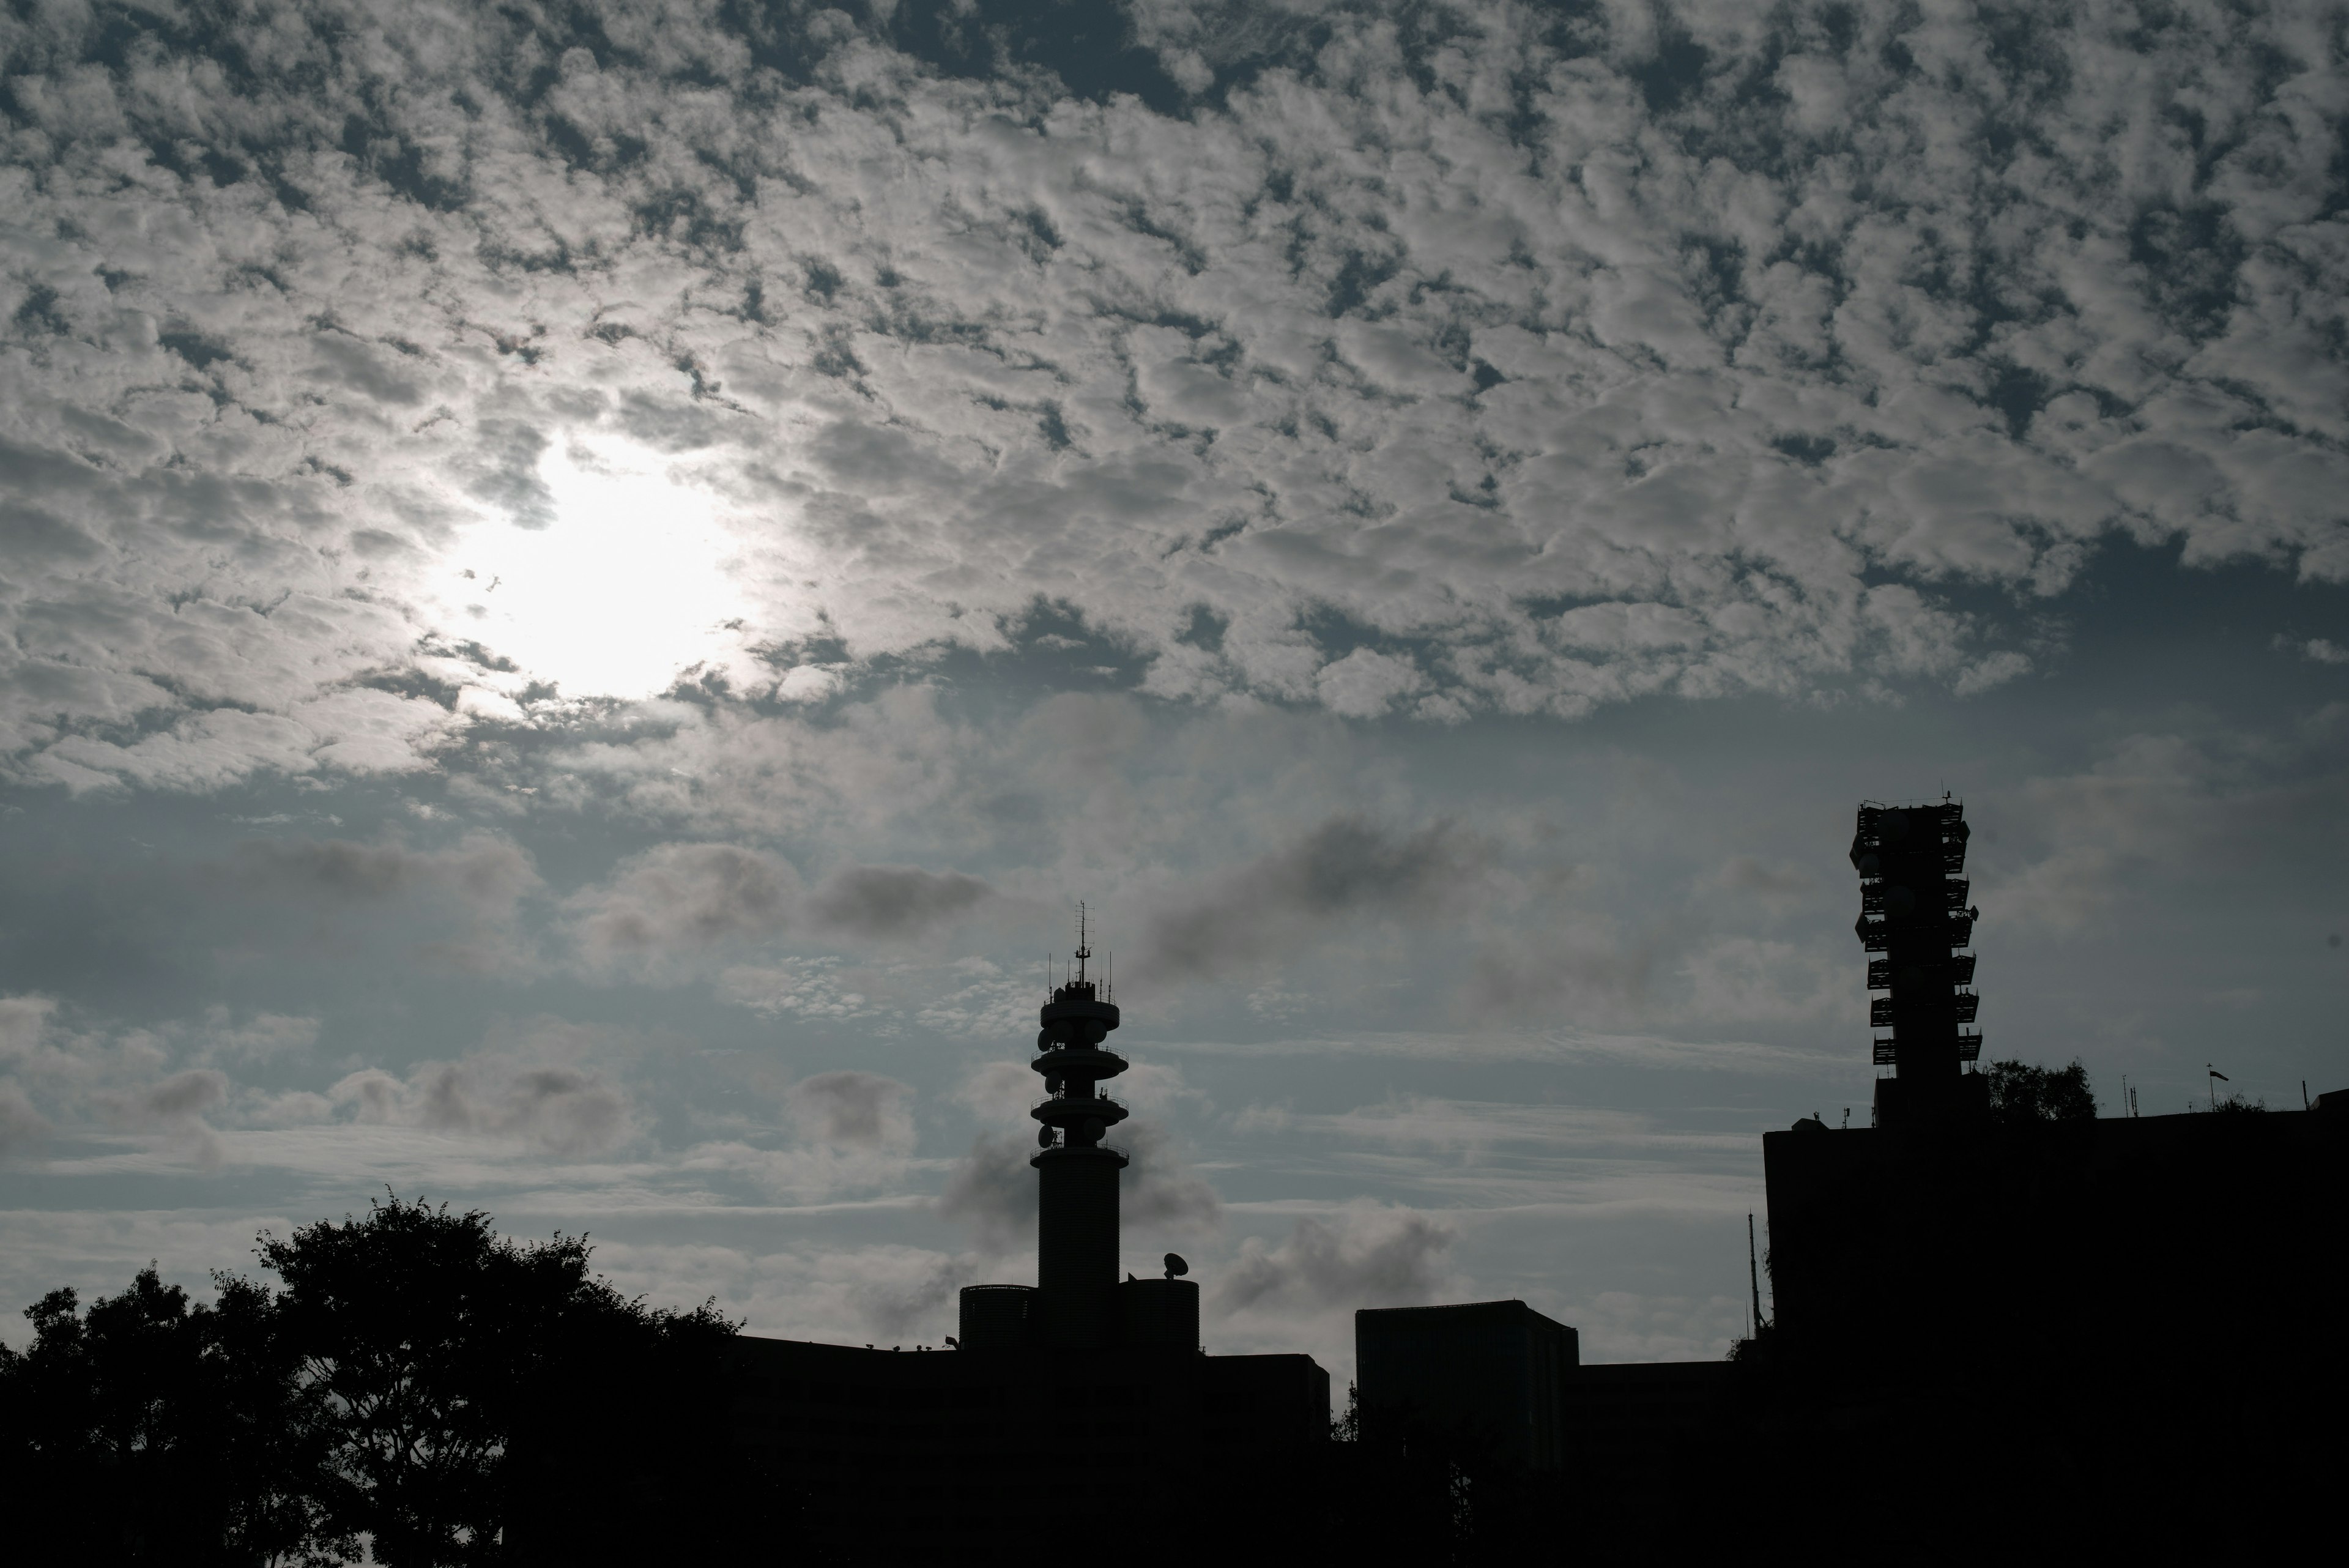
(2022, 1095)
(196, 1412)
(451, 1395)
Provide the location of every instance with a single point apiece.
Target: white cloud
(1607, 395)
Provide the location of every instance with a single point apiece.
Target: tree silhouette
(458, 1365)
(152, 1429)
(449, 1395)
(2022, 1094)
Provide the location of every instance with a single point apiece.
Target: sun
(629, 585)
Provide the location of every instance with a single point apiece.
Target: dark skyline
(585, 588)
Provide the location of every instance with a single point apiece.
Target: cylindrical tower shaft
(1076, 1245)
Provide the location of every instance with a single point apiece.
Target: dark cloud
(681, 903)
(1361, 1256)
(992, 1189)
(22, 1128)
(485, 869)
(1159, 1190)
(850, 1109)
(681, 897)
(554, 1110)
(174, 1106)
(469, 897)
(1345, 868)
(893, 900)
(897, 1307)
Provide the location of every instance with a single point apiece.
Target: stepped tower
(1913, 912)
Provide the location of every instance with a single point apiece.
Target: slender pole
(1754, 1272)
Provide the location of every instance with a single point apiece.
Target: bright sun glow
(627, 587)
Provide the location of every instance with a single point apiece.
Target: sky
(586, 586)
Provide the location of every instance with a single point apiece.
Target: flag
(2221, 1076)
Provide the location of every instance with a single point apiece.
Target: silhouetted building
(1913, 910)
(1638, 1433)
(1078, 1303)
(1080, 1405)
(1484, 1376)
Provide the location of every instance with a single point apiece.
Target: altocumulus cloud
(1432, 359)
(1345, 867)
(670, 908)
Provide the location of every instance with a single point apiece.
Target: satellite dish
(1044, 1136)
(1175, 1267)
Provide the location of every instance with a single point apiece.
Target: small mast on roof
(1076, 1243)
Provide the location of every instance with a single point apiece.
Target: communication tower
(1076, 1242)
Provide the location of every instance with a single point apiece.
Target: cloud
(561, 1110)
(23, 1022)
(1749, 874)
(893, 900)
(174, 1106)
(21, 1126)
(1382, 400)
(2315, 650)
(851, 1109)
(472, 893)
(1159, 1192)
(999, 1091)
(1346, 867)
(992, 1189)
(2158, 810)
(678, 906)
(681, 899)
(1584, 968)
(1363, 1255)
(261, 1038)
(905, 1289)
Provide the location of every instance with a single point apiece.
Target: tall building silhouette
(1913, 912)
(937, 1450)
(1078, 1302)
(1076, 1235)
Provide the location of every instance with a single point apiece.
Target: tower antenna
(1083, 952)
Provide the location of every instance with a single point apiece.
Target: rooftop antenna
(1754, 1272)
(1083, 952)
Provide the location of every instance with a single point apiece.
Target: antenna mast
(1754, 1272)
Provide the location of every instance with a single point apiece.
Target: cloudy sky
(585, 585)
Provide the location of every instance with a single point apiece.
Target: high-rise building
(1913, 912)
